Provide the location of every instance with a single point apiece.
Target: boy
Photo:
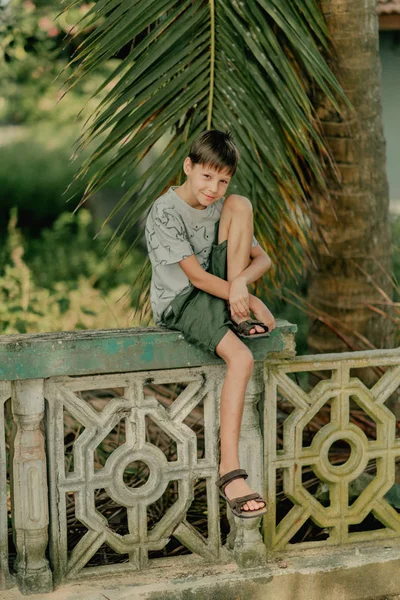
(203, 256)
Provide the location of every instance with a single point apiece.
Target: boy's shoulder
(167, 198)
(169, 201)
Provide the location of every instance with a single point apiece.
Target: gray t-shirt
(174, 231)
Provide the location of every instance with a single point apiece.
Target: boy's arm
(203, 280)
(259, 264)
(211, 283)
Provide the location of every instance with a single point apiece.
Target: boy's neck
(184, 193)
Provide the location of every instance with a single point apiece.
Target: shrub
(37, 177)
(67, 251)
(28, 306)
(34, 176)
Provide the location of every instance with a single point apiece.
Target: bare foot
(239, 487)
(263, 314)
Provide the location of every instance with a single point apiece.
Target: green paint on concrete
(116, 351)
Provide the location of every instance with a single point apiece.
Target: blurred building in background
(389, 38)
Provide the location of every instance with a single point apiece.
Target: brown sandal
(236, 504)
(243, 329)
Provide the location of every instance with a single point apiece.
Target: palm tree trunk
(353, 245)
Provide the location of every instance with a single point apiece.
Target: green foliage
(243, 66)
(34, 175)
(67, 252)
(396, 257)
(63, 288)
(36, 47)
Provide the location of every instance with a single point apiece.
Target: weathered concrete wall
(254, 564)
(44, 375)
(342, 575)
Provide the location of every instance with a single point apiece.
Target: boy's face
(206, 184)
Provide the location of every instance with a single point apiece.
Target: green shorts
(201, 317)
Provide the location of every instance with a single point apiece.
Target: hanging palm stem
(191, 65)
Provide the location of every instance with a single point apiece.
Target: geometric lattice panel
(86, 477)
(291, 464)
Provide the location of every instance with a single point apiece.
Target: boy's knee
(238, 204)
(242, 359)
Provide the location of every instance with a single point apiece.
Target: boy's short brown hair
(215, 148)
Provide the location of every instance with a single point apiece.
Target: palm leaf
(192, 65)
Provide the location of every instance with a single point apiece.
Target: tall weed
(65, 286)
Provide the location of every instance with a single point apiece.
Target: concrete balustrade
(44, 375)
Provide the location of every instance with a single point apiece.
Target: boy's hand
(239, 299)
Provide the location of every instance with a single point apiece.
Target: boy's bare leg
(236, 226)
(239, 361)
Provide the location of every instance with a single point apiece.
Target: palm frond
(190, 65)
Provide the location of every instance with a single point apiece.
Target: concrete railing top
(118, 350)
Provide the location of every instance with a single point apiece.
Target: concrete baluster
(29, 487)
(248, 546)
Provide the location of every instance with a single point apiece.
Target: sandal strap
(266, 328)
(246, 326)
(240, 501)
(230, 476)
